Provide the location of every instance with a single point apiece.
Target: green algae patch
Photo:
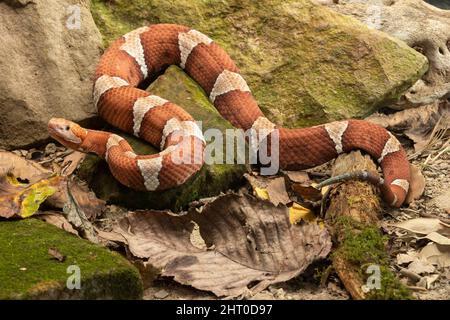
(364, 246)
(305, 63)
(176, 86)
(28, 271)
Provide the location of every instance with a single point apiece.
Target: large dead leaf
(251, 244)
(417, 124)
(436, 254)
(25, 170)
(423, 226)
(77, 209)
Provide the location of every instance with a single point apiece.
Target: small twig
(64, 154)
(416, 288)
(413, 276)
(356, 175)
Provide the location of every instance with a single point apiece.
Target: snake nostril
(441, 51)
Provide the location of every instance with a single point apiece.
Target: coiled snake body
(146, 52)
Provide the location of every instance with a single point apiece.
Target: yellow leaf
(23, 200)
(35, 195)
(298, 212)
(261, 193)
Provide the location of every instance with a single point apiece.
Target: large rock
(305, 63)
(423, 27)
(47, 65)
(179, 88)
(28, 271)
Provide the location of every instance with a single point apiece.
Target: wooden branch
(358, 200)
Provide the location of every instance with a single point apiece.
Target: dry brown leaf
(85, 198)
(21, 200)
(421, 266)
(417, 184)
(307, 191)
(438, 238)
(54, 253)
(272, 189)
(25, 170)
(277, 191)
(57, 219)
(416, 123)
(436, 254)
(71, 162)
(422, 226)
(297, 176)
(251, 243)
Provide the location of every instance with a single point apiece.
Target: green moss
(24, 245)
(364, 245)
(305, 63)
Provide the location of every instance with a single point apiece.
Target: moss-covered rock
(304, 63)
(27, 271)
(179, 88)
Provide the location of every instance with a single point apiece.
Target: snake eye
(67, 128)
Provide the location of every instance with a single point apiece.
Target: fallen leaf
(85, 198)
(25, 170)
(76, 215)
(251, 244)
(416, 185)
(298, 213)
(404, 258)
(427, 281)
(437, 238)
(416, 123)
(54, 252)
(23, 200)
(272, 189)
(307, 191)
(436, 254)
(297, 176)
(57, 219)
(421, 266)
(161, 294)
(71, 162)
(261, 193)
(422, 226)
(111, 236)
(277, 191)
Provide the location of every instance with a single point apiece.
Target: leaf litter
(250, 244)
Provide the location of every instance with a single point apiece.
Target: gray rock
(47, 66)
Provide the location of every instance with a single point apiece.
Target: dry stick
(357, 200)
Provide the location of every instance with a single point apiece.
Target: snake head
(66, 132)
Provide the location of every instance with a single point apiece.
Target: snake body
(144, 53)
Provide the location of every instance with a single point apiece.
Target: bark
(359, 201)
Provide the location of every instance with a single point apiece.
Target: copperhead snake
(145, 53)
